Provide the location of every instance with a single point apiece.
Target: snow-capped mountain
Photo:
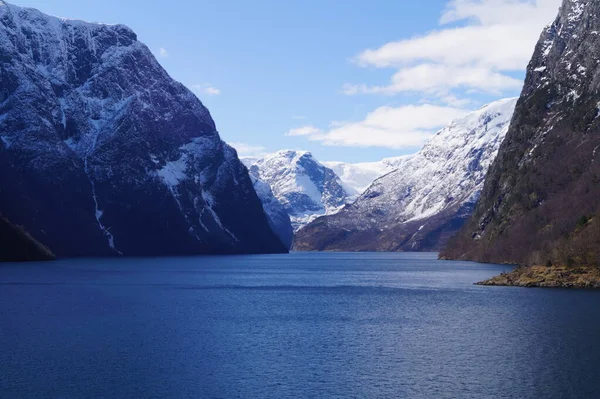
(102, 152)
(287, 172)
(418, 206)
(304, 187)
(357, 177)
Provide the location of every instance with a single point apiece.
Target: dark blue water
(297, 326)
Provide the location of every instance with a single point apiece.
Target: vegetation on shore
(572, 262)
(549, 276)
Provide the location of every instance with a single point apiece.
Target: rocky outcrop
(103, 153)
(548, 277)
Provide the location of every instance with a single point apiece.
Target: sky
(348, 80)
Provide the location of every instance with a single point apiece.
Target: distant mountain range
(408, 203)
(426, 199)
(103, 153)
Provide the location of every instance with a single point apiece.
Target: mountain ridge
(419, 206)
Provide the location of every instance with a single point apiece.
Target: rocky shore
(549, 277)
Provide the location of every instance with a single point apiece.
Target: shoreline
(548, 277)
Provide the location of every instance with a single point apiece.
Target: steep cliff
(543, 189)
(103, 153)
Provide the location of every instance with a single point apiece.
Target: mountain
(304, 187)
(103, 153)
(279, 220)
(357, 177)
(419, 206)
(16, 245)
(286, 171)
(541, 199)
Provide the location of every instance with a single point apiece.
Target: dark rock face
(547, 174)
(422, 204)
(16, 245)
(102, 153)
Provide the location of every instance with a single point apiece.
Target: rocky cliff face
(304, 187)
(420, 205)
(102, 153)
(544, 186)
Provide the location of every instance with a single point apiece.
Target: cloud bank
(479, 44)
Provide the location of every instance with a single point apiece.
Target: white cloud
(454, 101)
(206, 88)
(439, 78)
(249, 150)
(489, 12)
(163, 52)
(496, 37)
(389, 127)
(304, 131)
(213, 91)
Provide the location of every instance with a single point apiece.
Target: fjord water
(290, 326)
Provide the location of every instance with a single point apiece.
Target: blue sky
(347, 80)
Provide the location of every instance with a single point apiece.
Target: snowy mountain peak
(474, 131)
(292, 154)
(306, 188)
(498, 112)
(451, 166)
(32, 14)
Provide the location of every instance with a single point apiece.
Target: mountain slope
(418, 206)
(304, 187)
(357, 177)
(102, 153)
(544, 186)
(279, 220)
